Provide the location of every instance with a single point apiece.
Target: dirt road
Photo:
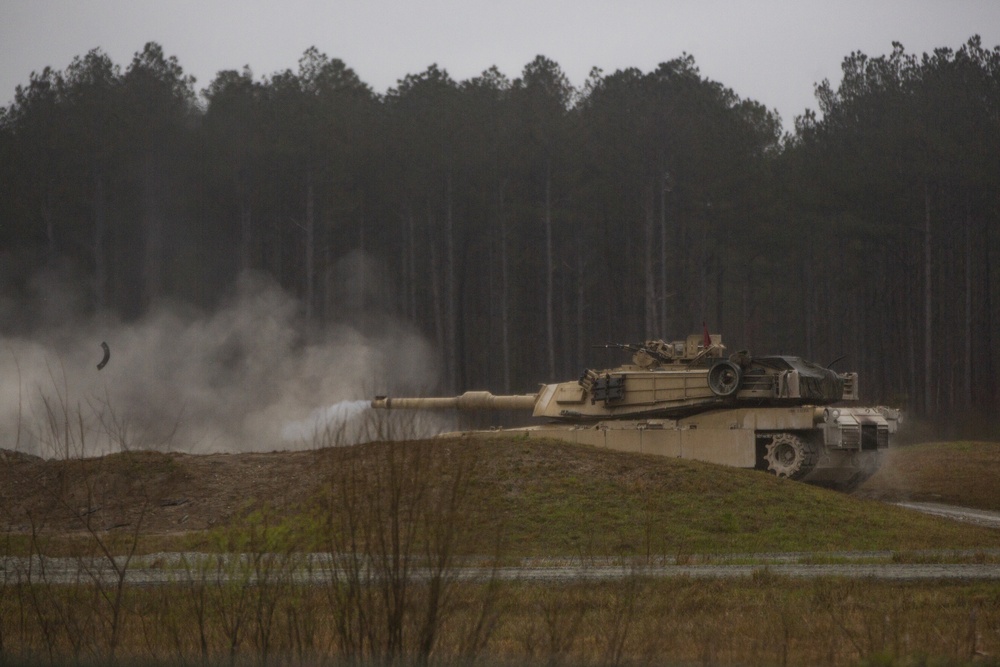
(192, 568)
(964, 514)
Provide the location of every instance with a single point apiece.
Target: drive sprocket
(790, 456)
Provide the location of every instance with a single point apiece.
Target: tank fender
(791, 418)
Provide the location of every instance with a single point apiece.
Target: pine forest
(518, 222)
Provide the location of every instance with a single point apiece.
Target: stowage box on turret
(687, 399)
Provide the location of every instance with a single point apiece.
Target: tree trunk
(310, 246)
(664, 321)
(454, 353)
(437, 305)
(360, 280)
(913, 336)
(49, 218)
(504, 291)
(411, 267)
(581, 304)
(928, 318)
(703, 274)
(649, 272)
(100, 256)
(808, 289)
(549, 273)
(967, 366)
(152, 228)
(720, 276)
(745, 329)
(246, 232)
(985, 359)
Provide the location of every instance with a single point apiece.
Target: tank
(688, 399)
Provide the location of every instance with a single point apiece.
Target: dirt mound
(167, 493)
(9, 457)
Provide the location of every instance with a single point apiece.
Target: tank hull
(822, 448)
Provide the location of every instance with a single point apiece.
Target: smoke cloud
(242, 378)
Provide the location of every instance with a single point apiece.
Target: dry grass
(765, 620)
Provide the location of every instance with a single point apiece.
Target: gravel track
(213, 569)
(188, 568)
(964, 514)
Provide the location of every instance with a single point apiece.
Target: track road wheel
(787, 455)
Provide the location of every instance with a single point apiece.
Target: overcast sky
(772, 51)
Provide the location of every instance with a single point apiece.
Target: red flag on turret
(708, 339)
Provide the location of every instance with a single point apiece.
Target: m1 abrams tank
(687, 399)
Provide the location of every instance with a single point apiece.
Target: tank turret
(689, 399)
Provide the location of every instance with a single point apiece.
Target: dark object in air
(107, 356)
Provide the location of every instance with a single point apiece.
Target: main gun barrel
(470, 400)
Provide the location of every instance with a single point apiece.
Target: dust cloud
(343, 415)
(242, 378)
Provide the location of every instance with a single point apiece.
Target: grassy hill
(956, 473)
(537, 498)
(557, 498)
